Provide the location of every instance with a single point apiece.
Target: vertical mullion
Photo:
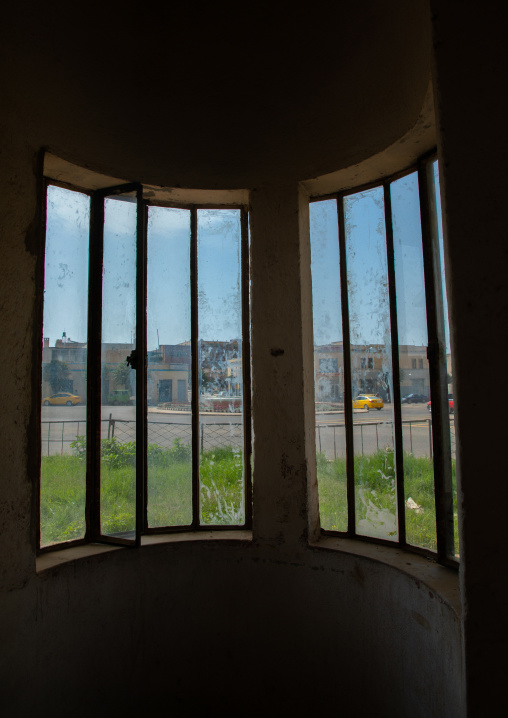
(397, 411)
(93, 408)
(346, 349)
(247, 438)
(39, 318)
(194, 366)
(141, 371)
(436, 352)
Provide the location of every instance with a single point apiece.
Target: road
(372, 429)
(128, 413)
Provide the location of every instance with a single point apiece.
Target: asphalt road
(128, 413)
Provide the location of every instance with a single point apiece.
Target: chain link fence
(372, 436)
(57, 436)
(369, 437)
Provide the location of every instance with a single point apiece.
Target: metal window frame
(436, 354)
(441, 443)
(94, 386)
(93, 417)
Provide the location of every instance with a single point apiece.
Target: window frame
(436, 355)
(93, 409)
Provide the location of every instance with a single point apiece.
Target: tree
(56, 373)
(121, 375)
(206, 380)
(384, 381)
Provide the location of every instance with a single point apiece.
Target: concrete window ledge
(441, 580)
(52, 559)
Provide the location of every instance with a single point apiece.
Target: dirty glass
(420, 508)
(328, 365)
(221, 436)
(118, 380)
(371, 380)
(169, 424)
(64, 354)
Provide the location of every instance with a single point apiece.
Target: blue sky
(366, 260)
(168, 302)
(168, 271)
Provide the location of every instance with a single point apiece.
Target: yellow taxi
(62, 398)
(367, 401)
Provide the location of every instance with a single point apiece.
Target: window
(328, 366)
(145, 368)
(378, 285)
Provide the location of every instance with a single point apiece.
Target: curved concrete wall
(272, 626)
(233, 629)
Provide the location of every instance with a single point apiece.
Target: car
(450, 404)
(62, 398)
(368, 401)
(414, 399)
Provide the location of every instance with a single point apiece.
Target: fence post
(49, 431)
(411, 435)
(361, 432)
(377, 438)
(202, 437)
(61, 448)
(334, 445)
(109, 426)
(319, 435)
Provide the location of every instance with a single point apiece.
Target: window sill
(56, 558)
(441, 580)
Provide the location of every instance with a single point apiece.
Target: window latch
(132, 359)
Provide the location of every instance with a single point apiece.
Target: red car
(450, 404)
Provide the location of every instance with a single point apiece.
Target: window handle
(132, 359)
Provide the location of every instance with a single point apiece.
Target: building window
(145, 368)
(378, 282)
(329, 366)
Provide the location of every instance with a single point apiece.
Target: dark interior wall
(233, 630)
(231, 96)
(471, 65)
(119, 97)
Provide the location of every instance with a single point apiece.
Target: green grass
(374, 480)
(62, 499)
(169, 489)
(221, 474)
(221, 491)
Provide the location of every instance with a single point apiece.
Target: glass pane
(63, 415)
(448, 350)
(118, 385)
(371, 368)
(169, 368)
(414, 367)
(328, 365)
(221, 463)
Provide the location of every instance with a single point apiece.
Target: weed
(63, 488)
(375, 491)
